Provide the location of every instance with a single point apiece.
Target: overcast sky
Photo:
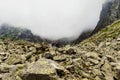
(52, 18)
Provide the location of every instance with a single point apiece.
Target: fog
(53, 19)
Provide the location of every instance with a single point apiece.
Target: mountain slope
(101, 53)
(109, 14)
(96, 58)
(15, 33)
(112, 31)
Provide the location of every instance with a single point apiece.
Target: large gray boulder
(43, 69)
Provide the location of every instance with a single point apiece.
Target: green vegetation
(110, 31)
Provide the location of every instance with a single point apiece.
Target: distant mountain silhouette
(14, 33)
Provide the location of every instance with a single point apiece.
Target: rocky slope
(109, 14)
(97, 58)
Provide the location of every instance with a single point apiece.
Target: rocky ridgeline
(16, 33)
(96, 58)
(110, 13)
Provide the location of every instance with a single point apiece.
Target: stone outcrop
(43, 69)
(109, 14)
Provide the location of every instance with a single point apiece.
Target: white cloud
(52, 18)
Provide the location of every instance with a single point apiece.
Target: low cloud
(53, 19)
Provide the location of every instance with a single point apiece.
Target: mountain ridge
(15, 33)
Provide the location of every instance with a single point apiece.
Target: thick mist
(53, 19)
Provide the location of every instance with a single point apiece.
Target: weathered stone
(32, 49)
(18, 78)
(97, 78)
(108, 43)
(60, 58)
(0, 76)
(4, 53)
(69, 66)
(38, 46)
(118, 39)
(96, 72)
(92, 55)
(84, 79)
(77, 59)
(70, 51)
(84, 74)
(13, 59)
(43, 69)
(110, 58)
(4, 68)
(101, 45)
(52, 51)
(28, 55)
(93, 61)
(8, 76)
(48, 55)
(108, 71)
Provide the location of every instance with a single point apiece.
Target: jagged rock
(69, 67)
(60, 58)
(83, 35)
(38, 46)
(28, 55)
(52, 51)
(14, 59)
(84, 74)
(43, 69)
(102, 44)
(110, 13)
(97, 78)
(118, 39)
(108, 71)
(0, 76)
(93, 55)
(8, 76)
(93, 61)
(4, 68)
(4, 56)
(108, 43)
(32, 49)
(110, 58)
(4, 53)
(48, 55)
(70, 51)
(84, 79)
(96, 72)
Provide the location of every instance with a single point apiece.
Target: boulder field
(96, 58)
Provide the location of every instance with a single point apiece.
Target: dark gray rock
(109, 14)
(15, 33)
